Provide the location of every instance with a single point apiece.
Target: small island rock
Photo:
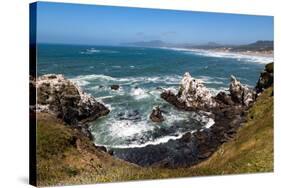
(156, 115)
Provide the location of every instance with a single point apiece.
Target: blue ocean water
(142, 74)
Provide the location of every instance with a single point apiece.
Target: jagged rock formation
(265, 79)
(241, 94)
(59, 96)
(194, 94)
(226, 108)
(156, 115)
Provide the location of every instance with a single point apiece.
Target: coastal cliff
(243, 121)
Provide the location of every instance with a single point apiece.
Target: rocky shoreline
(227, 110)
(67, 101)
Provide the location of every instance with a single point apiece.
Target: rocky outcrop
(266, 78)
(193, 93)
(227, 109)
(241, 94)
(156, 115)
(66, 100)
(223, 98)
(115, 87)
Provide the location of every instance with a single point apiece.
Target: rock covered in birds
(194, 94)
(62, 97)
(239, 93)
(265, 79)
(156, 115)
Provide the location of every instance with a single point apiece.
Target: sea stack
(241, 94)
(192, 95)
(156, 115)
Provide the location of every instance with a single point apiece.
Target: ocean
(142, 74)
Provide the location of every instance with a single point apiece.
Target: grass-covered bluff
(65, 156)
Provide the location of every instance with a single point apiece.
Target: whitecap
(93, 51)
(80, 82)
(139, 93)
(263, 59)
(211, 80)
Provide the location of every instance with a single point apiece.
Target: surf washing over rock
(197, 114)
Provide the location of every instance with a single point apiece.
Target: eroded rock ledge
(228, 108)
(66, 100)
(193, 95)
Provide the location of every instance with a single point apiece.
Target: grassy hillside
(64, 156)
(252, 148)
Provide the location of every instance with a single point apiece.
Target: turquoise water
(142, 74)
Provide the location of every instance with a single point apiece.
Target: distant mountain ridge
(260, 45)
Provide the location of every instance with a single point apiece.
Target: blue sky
(106, 25)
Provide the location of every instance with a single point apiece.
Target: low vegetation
(64, 156)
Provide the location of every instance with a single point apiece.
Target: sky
(107, 25)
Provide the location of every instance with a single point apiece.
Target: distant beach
(253, 56)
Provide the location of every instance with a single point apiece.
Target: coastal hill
(261, 45)
(65, 155)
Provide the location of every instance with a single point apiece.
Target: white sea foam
(129, 129)
(157, 141)
(90, 51)
(215, 91)
(211, 80)
(172, 79)
(80, 82)
(232, 55)
(210, 123)
(139, 93)
(93, 51)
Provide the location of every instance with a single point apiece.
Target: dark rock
(266, 78)
(224, 98)
(114, 87)
(204, 155)
(186, 137)
(201, 135)
(269, 67)
(156, 115)
(66, 100)
(101, 148)
(110, 152)
(172, 98)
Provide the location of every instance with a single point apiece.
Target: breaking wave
(93, 51)
(239, 56)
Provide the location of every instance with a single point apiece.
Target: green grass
(66, 157)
